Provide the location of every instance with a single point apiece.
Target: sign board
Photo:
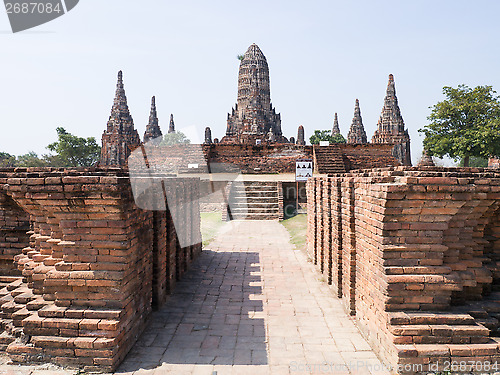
(303, 169)
(324, 143)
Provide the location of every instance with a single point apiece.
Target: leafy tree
(176, 138)
(7, 160)
(240, 57)
(337, 138)
(475, 161)
(73, 151)
(466, 124)
(31, 159)
(325, 135)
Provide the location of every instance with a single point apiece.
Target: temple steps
(440, 334)
(437, 328)
(328, 159)
(408, 353)
(254, 200)
(405, 318)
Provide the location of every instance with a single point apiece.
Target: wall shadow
(213, 317)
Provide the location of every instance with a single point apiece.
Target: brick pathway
(250, 305)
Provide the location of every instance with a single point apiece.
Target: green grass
(297, 227)
(211, 222)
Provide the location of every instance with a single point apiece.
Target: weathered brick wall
(256, 159)
(368, 155)
(14, 223)
(415, 255)
(95, 264)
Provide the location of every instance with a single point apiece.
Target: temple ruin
(414, 255)
(87, 253)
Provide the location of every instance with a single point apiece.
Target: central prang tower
(253, 117)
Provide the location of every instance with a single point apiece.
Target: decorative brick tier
(414, 254)
(93, 267)
(328, 160)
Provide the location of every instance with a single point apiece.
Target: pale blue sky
(322, 55)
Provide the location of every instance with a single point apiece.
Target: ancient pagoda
(254, 118)
(153, 132)
(336, 128)
(391, 127)
(120, 137)
(357, 133)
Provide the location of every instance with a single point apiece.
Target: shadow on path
(213, 317)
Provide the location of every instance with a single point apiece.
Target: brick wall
(14, 223)
(415, 255)
(256, 159)
(368, 155)
(94, 266)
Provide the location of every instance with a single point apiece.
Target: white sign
(303, 170)
(324, 143)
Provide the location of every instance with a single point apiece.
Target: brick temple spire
(301, 136)
(426, 160)
(254, 116)
(336, 128)
(120, 137)
(391, 127)
(153, 132)
(208, 136)
(357, 132)
(171, 126)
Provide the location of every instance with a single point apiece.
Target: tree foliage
(326, 135)
(73, 151)
(31, 159)
(7, 160)
(176, 138)
(475, 161)
(465, 124)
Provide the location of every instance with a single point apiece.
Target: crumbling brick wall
(14, 224)
(415, 255)
(94, 267)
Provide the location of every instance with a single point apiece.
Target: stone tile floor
(250, 304)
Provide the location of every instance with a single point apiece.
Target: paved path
(252, 305)
(249, 305)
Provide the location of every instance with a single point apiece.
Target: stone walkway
(251, 304)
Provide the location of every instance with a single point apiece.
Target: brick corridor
(251, 305)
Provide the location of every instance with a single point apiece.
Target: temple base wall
(93, 265)
(414, 255)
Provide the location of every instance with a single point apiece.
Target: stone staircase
(444, 336)
(33, 328)
(253, 200)
(328, 160)
(437, 328)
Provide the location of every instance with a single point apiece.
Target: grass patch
(211, 222)
(297, 228)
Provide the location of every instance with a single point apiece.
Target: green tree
(73, 151)
(240, 57)
(326, 135)
(176, 138)
(475, 161)
(466, 124)
(7, 160)
(31, 159)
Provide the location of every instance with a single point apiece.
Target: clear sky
(322, 55)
